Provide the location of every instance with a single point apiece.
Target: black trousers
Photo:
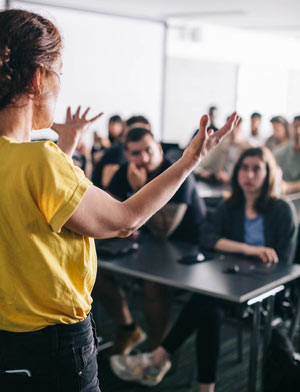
(203, 315)
(58, 358)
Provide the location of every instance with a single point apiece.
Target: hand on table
(267, 255)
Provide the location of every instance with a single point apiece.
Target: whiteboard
(192, 86)
(112, 64)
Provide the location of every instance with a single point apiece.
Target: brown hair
(267, 194)
(281, 120)
(137, 134)
(27, 40)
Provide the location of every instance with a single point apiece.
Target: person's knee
(155, 291)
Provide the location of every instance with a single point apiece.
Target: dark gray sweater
(280, 227)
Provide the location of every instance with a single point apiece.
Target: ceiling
(272, 16)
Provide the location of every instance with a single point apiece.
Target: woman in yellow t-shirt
(49, 213)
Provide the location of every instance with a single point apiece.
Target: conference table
(231, 278)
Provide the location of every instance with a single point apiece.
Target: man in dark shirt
(180, 219)
(184, 212)
(115, 156)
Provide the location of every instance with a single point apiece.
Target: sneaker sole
(120, 372)
(154, 382)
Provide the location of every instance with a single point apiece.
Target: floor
(232, 375)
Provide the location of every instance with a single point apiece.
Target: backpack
(281, 368)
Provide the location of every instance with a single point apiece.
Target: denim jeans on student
(58, 358)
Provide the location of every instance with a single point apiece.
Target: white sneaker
(139, 368)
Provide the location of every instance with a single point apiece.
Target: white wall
(268, 76)
(112, 64)
(192, 86)
(293, 93)
(263, 89)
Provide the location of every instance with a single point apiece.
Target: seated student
(101, 144)
(180, 219)
(251, 222)
(256, 138)
(114, 157)
(288, 159)
(281, 132)
(218, 165)
(212, 112)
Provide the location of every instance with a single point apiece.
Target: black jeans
(58, 358)
(204, 315)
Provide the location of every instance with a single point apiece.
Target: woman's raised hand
(75, 124)
(205, 141)
(70, 132)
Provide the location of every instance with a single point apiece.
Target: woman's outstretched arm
(100, 216)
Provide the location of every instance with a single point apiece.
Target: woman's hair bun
(5, 69)
(27, 40)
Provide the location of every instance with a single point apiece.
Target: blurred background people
(213, 113)
(217, 166)
(288, 159)
(256, 138)
(101, 144)
(281, 134)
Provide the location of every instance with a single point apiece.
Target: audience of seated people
(281, 134)
(217, 166)
(114, 157)
(246, 223)
(107, 154)
(253, 222)
(180, 219)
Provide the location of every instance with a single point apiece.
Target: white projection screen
(113, 64)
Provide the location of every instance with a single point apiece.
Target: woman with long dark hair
(48, 212)
(252, 222)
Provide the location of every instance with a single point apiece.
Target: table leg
(270, 301)
(296, 320)
(254, 347)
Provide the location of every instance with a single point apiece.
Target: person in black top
(180, 219)
(115, 156)
(126, 182)
(102, 144)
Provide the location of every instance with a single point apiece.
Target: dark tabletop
(158, 260)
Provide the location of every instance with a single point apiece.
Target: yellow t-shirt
(47, 272)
